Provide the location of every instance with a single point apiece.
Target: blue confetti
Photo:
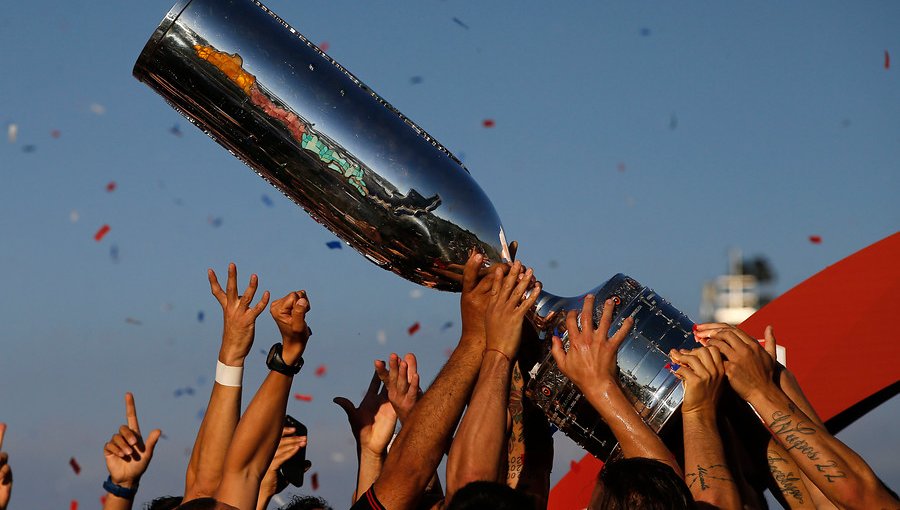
(215, 222)
(334, 245)
(29, 148)
(645, 32)
(447, 325)
(200, 316)
(268, 201)
(460, 23)
(175, 130)
(415, 80)
(114, 253)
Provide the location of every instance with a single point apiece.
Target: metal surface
(373, 177)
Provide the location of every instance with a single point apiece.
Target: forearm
(208, 456)
(706, 469)
(788, 478)
(370, 465)
(254, 444)
(636, 439)
(840, 473)
(475, 452)
(113, 502)
(420, 446)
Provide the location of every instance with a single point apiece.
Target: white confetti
(98, 108)
(337, 457)
(12, 133)
(73, 216)
(381, 337)
(415, 293)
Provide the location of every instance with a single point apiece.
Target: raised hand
(373, 421)
(6, 479)
(239, 317)
(507, 307)
(591, 358)
(476, 293)
(289, 313)
(749, 367)
(702, 371)
(401, 380)
(127, 454)
(288, 446)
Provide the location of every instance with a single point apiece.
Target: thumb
(152, 439)
(346, 405)
(771, 343)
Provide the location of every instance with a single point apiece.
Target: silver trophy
(376, 179)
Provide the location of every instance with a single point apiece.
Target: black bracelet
(118, 490)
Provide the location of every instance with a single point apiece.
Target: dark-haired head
(306, 503)
(640, 484)
(164, 503)
(205, 504)
(478, 495)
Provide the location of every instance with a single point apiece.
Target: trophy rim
(156, 38)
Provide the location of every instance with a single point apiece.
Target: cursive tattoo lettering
(787, 482)
(791, 432)
(703, 474)
(830, 471)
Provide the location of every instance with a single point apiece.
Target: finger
(717, 359)
(513, 248)
(214, 286)
(470, 272)
(120, 441)
(771, 344)
(347, 406)
(412, 363)
(690, 360)
(381, 372)
(587, 314)
(129, 435)
(510, 281)
(606, 316)
(705, 358)
(413, 389)
(725, 335)
(258, 309)
(231, 283)
(497, 282)
(403, 377)
(2, 433)
(519, 291)
(622, 333)
(557, 351)
(376, 380)
(131, 413)
(723, 347)
(684, 373)
(152, 439)
(711, 325)
(288, 431)
(532, 298)
(394, 361)
(247, 296)
(4, 458)
(111, 449)
(5, 475)
(572, 323)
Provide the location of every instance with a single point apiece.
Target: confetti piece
(114, 253)
(75, 466)
(55, 133)
(815, 239)
(645, 32)
(488, 123)
(673, 122)
(98, 109)
(337, 457)
(268, 201)
(460, 23)
(415, 293)
(29, 148)
(333, 245)
(315, 481)
(620, 167)
(103, 500)
(12, 133)
(412, 329)
(178, 393)
(887, 59)
(215, 222)
(73, 216)
(175, 130)
(553, 264)
(321, 370)
(101, 233)
(111, 186)
(302, 397)
(415, 80)
(73, 505)
(200, 316)
(324, 46)
(447, 325)
(132, 320)
(381, 336)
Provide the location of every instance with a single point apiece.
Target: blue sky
(644, 138)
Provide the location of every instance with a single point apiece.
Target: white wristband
(228, 375)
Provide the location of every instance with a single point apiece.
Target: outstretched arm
(479, 442)
(590, 363)
(419, 447)
(706, 468)
(259, 430)
(127, 458)
(204, 470)
(841, 474)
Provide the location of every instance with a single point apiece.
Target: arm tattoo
(830, 476)
(702, 475)
(787, 482)
(790, 432)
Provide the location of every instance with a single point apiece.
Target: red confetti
(412, 329)
(111, 186)
(101, 233)
(302, 397)
(55, 133)
(75, 466)
(815, 239)
(73, 505)
(573, 466)
(887, 59)
(103, 500)
(320, 370)
(315, 481)
(488, 123)
(324, 46)
(620, 167)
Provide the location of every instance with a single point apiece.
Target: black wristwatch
(276, 362)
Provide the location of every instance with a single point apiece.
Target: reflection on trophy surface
(376, 179)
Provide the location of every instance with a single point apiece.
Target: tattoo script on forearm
(793, 433)
(787, 482)
(703, 475)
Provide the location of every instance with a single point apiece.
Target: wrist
(128, 483)
(703, 414)
(767, 393)
(291, 352)
(369, 454)
(231, 358)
